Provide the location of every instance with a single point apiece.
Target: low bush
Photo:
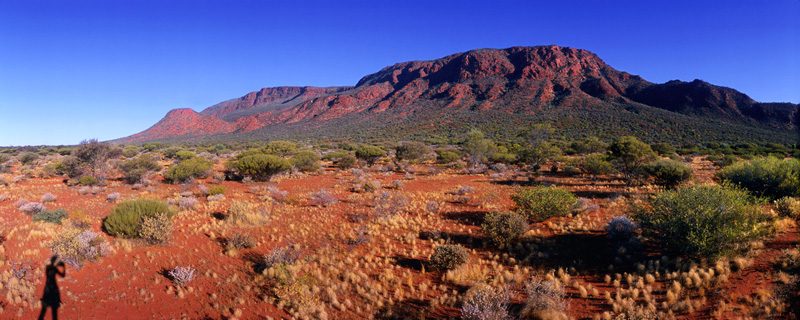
(767, 177)
(48, 197)
(447, 257)
(52, 216)
(243, 212)
(76, 247)
(707, 221)
(88, 181)
(188, 170)
(668, 173)
(184, 155)
(31, 208)
(285, 255)
(125, 218)
(486, 303)
(546, 299)
(306, 161)
(261, 167)
(447, 156)
(134, 170)
(215, 190)
(502, 228)
(187, 203)
(411, 151)
(322, 198)
(346, 162)
(370, 154)
(129, 151)
(542, 203)
(239, 241)
(27, 157)
(788, 207)
(182, 276)
(280, 148)
(113, 197)
(156, 229)
(622, 228)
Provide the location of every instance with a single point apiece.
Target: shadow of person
(51, 298)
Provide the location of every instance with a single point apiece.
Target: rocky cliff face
(515, 80)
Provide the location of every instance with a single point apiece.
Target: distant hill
(500, 91)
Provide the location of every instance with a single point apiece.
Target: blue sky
(73, 70)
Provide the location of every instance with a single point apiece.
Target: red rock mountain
(518, 80)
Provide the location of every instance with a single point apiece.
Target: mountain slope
(529, 82)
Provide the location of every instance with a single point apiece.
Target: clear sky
(73, 70)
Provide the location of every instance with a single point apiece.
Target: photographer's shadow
(51, 297)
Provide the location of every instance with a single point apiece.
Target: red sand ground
(129, 283)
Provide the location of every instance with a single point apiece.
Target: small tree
(262, 166)
(92, 157)
(370, 154)
(630, 154)
(477, 147)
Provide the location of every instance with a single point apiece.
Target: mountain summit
(546, 81)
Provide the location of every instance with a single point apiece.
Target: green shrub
(588, 145)
(171, 152)
(215, 190)
(595, 164)
(153, 146)
(663, 148)
(370, 154)
(411, 151)
(88, 181)
(187, 170)
(333, 156)
(447, 257)
(447, 156)
(346, 162)
(134, 170)
(541, 203)
(262, 167)
(722, 160)
(125, 218)
(765, 177)
(706, 221)
(4, 158)
(668, 173)
(502, 228)
(52, 216)
(27, 157)
(788, 207)
(280, 148)
(185, 154)
(130, 151)
(306, 161)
